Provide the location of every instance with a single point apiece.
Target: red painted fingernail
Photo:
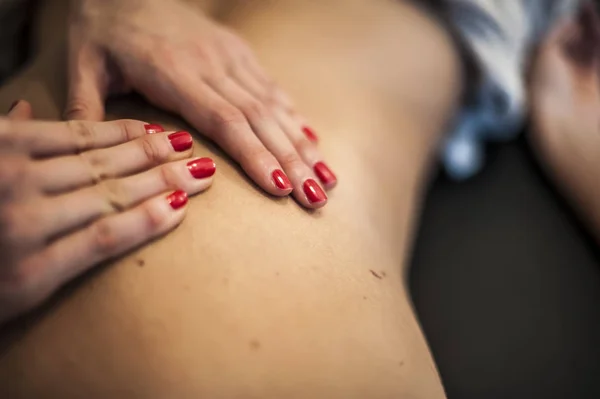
(178, 199)
(202, 168)
(324, 174)
(181, 141)
(313, 191)
(13, 105)
(281, 180)
(310, 134)
(153, 128)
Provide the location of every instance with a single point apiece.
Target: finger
(67, 212)
(271, 95)
(253, 77)
(274, 139)
(88, 82)
(259, 74)
(61, 174)
(307, 149)
(45, 139)
(102, 240)
(20, 111)
(227, 126)
(250, 82)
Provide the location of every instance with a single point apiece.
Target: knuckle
(115, 194)
(154, 220)
(225, 117)
(254, 110)
(291, 160)
(170, 178)
(258, 155)
(302, 145)
(104, 239)
(96, 164)
(76, 106)
(154, 151)
(83, 134)
(130, 129)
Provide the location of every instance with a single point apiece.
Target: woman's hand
(184, 62)
(73, 194)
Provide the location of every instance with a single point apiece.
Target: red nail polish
(153, 128)
(325, 174)
(310, 134)
(281, 180)
(313, 191)
(202, 168)
(181, 141)
(178, 199)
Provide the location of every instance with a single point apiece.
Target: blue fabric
(500, 35)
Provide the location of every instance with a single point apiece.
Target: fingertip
(20, 110)
(326, 176)
(177, 200)
(312, 196)
(152, 128)
(202, 171)
(281, 182)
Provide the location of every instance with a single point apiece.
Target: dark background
(507, 285)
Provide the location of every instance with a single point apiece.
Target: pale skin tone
(253, 296)
(183, 61)
(65, 206)
(565, 94)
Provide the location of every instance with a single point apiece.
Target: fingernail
(178, 199)
(181, 141)
(310, 134)
(13, 105)
(281, 180)
(313, 191)
(324, 174)
(153, 128)
(202, 168)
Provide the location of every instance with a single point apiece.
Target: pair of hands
(184, 62)
(73, 194)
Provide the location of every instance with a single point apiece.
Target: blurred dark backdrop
(507, 285)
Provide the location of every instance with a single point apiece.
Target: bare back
(254, 296)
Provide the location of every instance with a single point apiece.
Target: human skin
(195, 67)
(565, 98)
(75, 194)
(253, 296)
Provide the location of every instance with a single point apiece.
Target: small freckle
(400, 364)
(255, 344)
(365, 298)
(141, 262)
(186, 287)
(383, 273)
(277, 274)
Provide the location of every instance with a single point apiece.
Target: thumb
(87, 84)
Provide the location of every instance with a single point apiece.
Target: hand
(184, 62)
(74, 194)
